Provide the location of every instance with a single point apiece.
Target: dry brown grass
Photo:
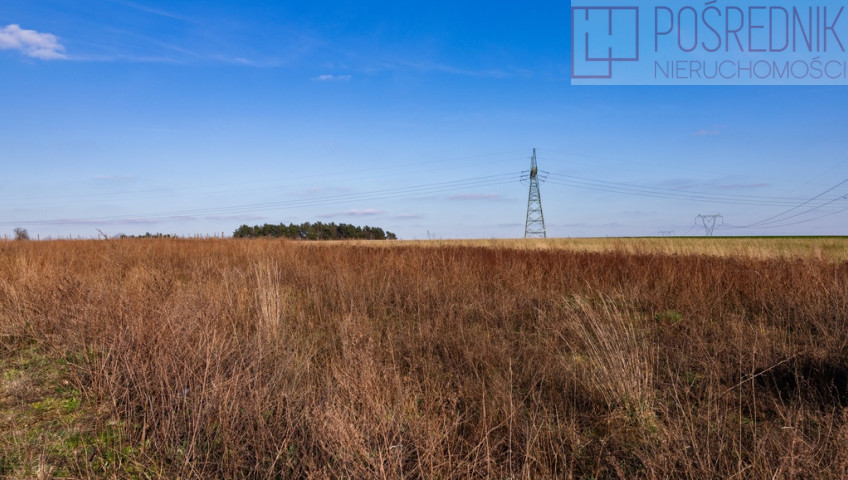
(819, 248)
(275, 359)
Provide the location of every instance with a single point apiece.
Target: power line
(393, 170)
(669, 190)
(630, 161)
(705, 197)
(776, 219)
(798, 222)
(664, 193)
(383, 194)
(534, 213)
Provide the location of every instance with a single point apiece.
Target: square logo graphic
(601, 37)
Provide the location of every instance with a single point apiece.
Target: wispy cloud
(685, 183)
(429, 66)
(180, 59)
(154, 130)
(638, 213)
(114, 178)
(241, 61)
(721, 183)
(129, 221)
(370, 212)
(241, 218)
(44, 46)
(144, 221)
(707, 133)
(125, 58)
(406, 216)
(150, 10)
(452, 70)
(322, 191)
(476, 196)
(583, 224)
(741, 186)
(333, 78)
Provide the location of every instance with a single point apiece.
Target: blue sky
(196, 117)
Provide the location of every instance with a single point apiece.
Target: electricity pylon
(534, 227)
(709, 222)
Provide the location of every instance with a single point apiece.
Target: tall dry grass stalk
(619, 356)
(274, 359)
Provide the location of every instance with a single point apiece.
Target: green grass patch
(48, 430)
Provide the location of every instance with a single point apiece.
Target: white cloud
(331, 78)
(44, 46)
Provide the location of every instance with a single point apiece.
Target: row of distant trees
(304, 231)
(315, 231)
(146, 235)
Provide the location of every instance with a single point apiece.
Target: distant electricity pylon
(666, 233)
(709, 222)
(534, 227)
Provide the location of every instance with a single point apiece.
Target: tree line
(315, 231)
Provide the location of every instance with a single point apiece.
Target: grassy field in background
(820, 248)
(561, 358)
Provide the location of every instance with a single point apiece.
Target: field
(584, 359)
